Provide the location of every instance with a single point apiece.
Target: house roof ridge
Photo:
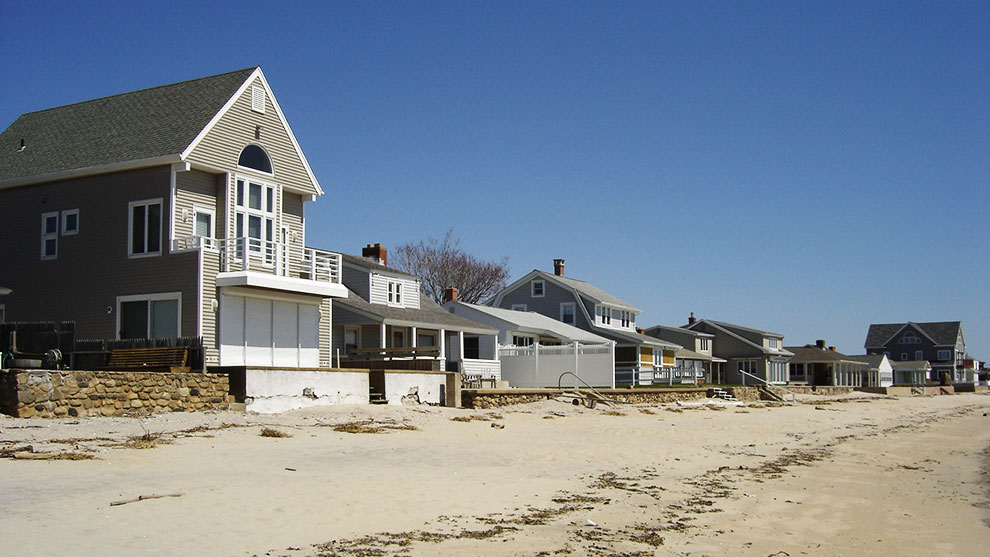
(142, 90)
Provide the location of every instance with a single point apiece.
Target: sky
(806, 168)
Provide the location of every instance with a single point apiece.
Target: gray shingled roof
(591, 291)
(944, 333)
(365, 263)
(530, 321)
(429, 314)
(130, 126)
(810, 353)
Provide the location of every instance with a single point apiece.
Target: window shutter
(258, 99)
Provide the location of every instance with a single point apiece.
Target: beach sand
(852, 475)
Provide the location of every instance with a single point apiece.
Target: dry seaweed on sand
(271, 432)
(371, 426)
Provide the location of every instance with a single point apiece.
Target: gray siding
(357, 280)
(236, 129)
(548, 305)
(92, 267)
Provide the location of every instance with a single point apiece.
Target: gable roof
(528, 322)
(809, 353)
(730, 329)
(145, 124)
(429, 315)
(148, 127)
(368, 264)
(659, 330)
(941, 333)
(579, 286)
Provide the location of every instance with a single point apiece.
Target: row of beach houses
(179, 211)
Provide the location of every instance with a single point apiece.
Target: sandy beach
(853, 475)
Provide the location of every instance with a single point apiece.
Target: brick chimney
(691, 319)
(820, 343)
(831, 348)
(449, 294)
(558, 267)
(376, 253)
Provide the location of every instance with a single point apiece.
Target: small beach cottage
(816, 364)
(753, 356)
(386, 323)
(639, 359)
(173, 211)
(536, 350)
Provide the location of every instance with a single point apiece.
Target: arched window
(255, 157)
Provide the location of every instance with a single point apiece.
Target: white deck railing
(252, 254)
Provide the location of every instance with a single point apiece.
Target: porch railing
(253, 254)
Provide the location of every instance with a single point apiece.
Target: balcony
(257, 263)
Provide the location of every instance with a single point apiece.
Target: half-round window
(255, 157)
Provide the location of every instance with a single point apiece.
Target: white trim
(257, 73)
(130, 225)
(66, 213)
(271, 162)
(257, 99)
(172, 193)
(46, 236)
(212, 212)
(151, 298)
(532, 288)
(90, 170)
(519, 307)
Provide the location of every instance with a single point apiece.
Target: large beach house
(167, 212)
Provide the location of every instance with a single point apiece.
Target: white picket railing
(252, 254)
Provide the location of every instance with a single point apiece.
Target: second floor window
(145, 225)
(537, 288)
(49, 235)
(704, 344)
(256, 215)
(944, 355)
(606, 315)
(919, 355)
(567, 313)
(395, 293)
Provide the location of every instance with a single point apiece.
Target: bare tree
(443, 264)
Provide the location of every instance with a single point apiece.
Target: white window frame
(773, 343)
(243, 213)
(543, 288)
(66, 231)
(626, 317)
(606, 315)
(46, 236)
(151, 298)
(130, 226)
(522, 340)
(571, 305)
(394, 292)
(206, 241)
(904, 356)
(519, 307)
(704, 344)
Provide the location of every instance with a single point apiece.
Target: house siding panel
(548, 305)
(357, 280)
(92, 267)
(210, 267)
(192, 189)
(222, 145)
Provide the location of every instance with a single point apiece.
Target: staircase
(377, 398)
(771, 393)
(718, 392)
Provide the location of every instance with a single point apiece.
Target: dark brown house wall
(92, 267)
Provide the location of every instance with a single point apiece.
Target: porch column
(443, 348)
(381, 335)
(460, 344)
(412, 342)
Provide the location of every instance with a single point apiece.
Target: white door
(261, 332)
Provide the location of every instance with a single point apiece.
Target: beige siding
(222, 145)
(194, 189)
(326, 343)
(292, 216)
(210, 268)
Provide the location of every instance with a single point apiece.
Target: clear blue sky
(802, 167)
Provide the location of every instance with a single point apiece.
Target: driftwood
(143, 497)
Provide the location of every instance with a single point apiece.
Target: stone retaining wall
(745, 394)
(829, 390)
(55, 394)
(494, 398)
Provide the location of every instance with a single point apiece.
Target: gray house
(941, 343)
(695, 359)
(385, 313)
(639, 359)
(174, 211)
(748, 352)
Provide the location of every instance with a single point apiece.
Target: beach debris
(590, 522)
(272, 432)
(144, 498)
(498, 426)
(748, 495)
